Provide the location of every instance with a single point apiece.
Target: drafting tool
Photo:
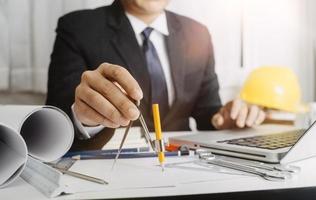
(82, 176)
(127, 155)
(147, 135)
(261, 165)
(107, 151)
(203, 153)
(159, 140)
(63, 163)
(146, 131)
(122, 143)
(264, 171)
(64, 166)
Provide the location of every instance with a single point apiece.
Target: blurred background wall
(246, 34)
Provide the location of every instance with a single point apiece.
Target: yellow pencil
(161, 154)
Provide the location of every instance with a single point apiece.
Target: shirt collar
(159, 24)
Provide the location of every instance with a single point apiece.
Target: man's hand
(238, 114)
(104, 95)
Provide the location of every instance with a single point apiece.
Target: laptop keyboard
(271, 141)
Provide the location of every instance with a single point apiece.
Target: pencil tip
(105, 183)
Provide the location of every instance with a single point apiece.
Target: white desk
(306, 178)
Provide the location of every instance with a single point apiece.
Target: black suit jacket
(87, 38)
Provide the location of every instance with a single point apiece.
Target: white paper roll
(45, 131)
(13, 155)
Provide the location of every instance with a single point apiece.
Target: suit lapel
(125, 43)
(176, 52)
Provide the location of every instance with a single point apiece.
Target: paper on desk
(138, 173)
(127, 174)
(52, 183)
(144, 173)
(44, 132)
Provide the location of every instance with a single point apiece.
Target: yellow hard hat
(273, 87)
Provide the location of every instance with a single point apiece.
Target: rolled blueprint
(44, 132)
(13, 155)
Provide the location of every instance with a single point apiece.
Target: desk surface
(303, 183)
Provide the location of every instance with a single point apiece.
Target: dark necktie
(159, 91)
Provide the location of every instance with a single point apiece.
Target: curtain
(26, 39)
(15, 56)
(4, 50)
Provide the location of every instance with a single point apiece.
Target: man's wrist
(85, 132)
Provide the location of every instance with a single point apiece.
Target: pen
(159, 141)
(82, 176)
(128, 155)
(78, 175)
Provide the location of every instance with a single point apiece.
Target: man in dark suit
(105, 59)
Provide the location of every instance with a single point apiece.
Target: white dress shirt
(157, 37)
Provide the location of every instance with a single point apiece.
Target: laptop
(267, 146)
